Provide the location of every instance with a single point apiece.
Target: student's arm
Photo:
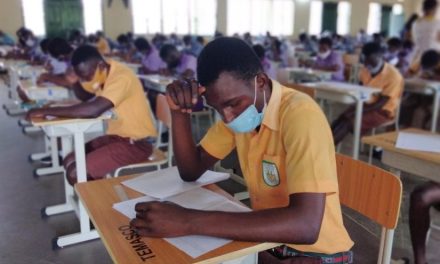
(192, 161)
(298, 223)
(332, 68)
(58, 79)
(91, 109)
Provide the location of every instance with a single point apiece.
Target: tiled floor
(26, 236)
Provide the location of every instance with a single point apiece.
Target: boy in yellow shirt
(114, 86)
(383, 107)
(285, 150)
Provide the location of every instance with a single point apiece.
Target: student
(60, 53)
(382, 108)
(5, 39)
(151, 61)
(111, 85)
(392, 53)
(265, 62)
(192, 46)
(422, 199)
(285, 150)
(329, 60)
(178, 63)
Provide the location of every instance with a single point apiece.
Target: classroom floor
(26, 236)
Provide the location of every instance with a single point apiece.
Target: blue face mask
(249, 119)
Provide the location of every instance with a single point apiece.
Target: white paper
(418, 142)
(198, 198)
(165, 183)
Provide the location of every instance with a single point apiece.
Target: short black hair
(326, 41)
(166, 49)
(122, 39)
(430, 59)
(58, 47)
(259, 50)
(142, 44)
(227, 54)
(85, 53)
(429, 5)
(395, 42)
(371, 48)
(44, 44)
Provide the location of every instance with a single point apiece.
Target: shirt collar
(271, 115)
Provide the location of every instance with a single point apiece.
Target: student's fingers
(187, 95)
(201, 90)
(180, 97)
(172, 97)
(142, 207)
(194, 91)
(138, 223)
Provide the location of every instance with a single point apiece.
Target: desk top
(41, 121)
(124, 247)
(425, 86)
(28, 85)
(342, 87)
(387, 141)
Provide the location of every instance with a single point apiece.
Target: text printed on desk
(142, 250)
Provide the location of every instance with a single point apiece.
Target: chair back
(369, 190)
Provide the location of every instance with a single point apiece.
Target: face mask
(99, 78)
(250, 118)
(375, 70)
(324, 55)
(30, 42)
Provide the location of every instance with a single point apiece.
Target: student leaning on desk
(286, 152)
(107, 85)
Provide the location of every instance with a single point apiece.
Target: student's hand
(182, 95)
(35, 113)
(42, 79)
(161, 219)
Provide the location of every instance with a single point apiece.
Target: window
(260, 16)
(374, 18)
(174, 16)
(397, 10)
(33, 13)
(344, 16)
(315, 25)
(92, 15)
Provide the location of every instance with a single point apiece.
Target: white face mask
(324, 55)
(30, 42)
(375, 70)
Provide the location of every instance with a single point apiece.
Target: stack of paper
(418, 142)
(165, 183)
(199, 198)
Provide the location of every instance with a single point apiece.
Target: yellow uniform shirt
(103, 46)
(292, 152)
(390, 81)
(133, 116)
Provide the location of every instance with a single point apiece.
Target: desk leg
(55, 168)
(66, 148)
(357, 129)
(85, 234)
(435, 110)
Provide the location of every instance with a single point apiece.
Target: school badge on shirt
(270, 174)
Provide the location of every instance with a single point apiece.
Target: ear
(263, 81)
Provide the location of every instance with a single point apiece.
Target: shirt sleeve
(117, 90)
(310, 153)
(394, 85)
(219, 141)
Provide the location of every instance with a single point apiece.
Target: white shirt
(425, 32)
(58, 67)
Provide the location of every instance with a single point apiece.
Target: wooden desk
(124, 247)
(346, 93)
(66, 128)
(426, 87)
(424, 164)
